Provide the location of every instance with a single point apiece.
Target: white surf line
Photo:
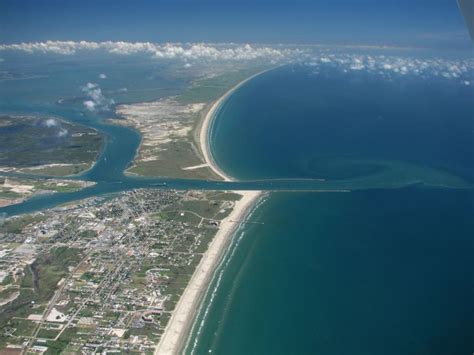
(177, 330)
(180, 323)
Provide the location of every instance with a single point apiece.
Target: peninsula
(177, 330)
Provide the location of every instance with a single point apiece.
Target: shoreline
(179, 325)
(206, 126)
(177, 330)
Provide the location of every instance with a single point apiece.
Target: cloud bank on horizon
(315, 56)
(191, 51)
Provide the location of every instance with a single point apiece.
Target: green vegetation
(49, 269)
(15, 188)
(47, 333)
(178, 278)
(9, 195)
(174, 156)
(223, 196)
(38, 284)
(184, 151)
(16, 225)
(32, 141)
(192, 211)
(159, 239)
(210, 89)
(206, 238)
(149, 330)
(61, 170)
(23, 327)
(52, 185)
(58, 346)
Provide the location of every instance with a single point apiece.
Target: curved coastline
(177, 330)
(179, 326)
(207, 124)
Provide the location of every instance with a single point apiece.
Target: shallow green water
(371, 271)
(367, 272)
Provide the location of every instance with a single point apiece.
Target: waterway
(386, 268)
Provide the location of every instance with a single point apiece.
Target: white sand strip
(180, 323)
(195, 167)
(207, 124)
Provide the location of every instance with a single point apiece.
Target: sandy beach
(207, 124)
(180, 323)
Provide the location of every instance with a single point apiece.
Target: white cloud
(50, 122)
(89, 104)
(97, 100)
(89, 86)
(388, 66)
(62, 132)
(357, 66)
(189, 51)
(317, 56)
(56, 126)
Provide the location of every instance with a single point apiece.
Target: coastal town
(236, 177)
(122, 272)
(103, 274)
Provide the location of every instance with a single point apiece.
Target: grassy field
(15, 225)
(62, 170)
(16, 188)
(36, 288)
(33, 141)
(173, 157)
(185, 151)
(210, 89)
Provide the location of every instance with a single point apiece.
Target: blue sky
(392, 22)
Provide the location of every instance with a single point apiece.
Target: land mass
(171, 127)
(107, 273)
(47, 146)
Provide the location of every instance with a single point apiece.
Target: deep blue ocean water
(294, 123)
(372, 271)
(368, 272)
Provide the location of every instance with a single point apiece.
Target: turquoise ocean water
(367, 272)
(384, 269)
(374, 271)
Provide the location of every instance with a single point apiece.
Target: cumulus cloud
(190, 51)
(55, 126)
(62, 132)
(50, 122)
(89, 104)
(96, 99)
(317, 56)
(389, 66)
